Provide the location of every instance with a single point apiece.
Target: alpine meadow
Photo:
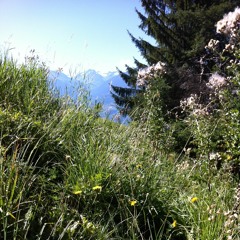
(171, 173)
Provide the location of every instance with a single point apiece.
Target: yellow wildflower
(97, 188)
(77, 192)
(133, 202)
(194, 199)
(229, 157)
(174, 224)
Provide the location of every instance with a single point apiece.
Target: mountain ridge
(91, 80)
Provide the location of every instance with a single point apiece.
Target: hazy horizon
(72, 35)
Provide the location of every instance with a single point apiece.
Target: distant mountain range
(97, 85)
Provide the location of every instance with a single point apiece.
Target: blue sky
(72, 34)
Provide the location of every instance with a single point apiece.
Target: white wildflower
(229, 23)
(189, 102)
(142, 73)
(141, 82)
(148, 73)
(200, 112)
(213, 44)
(214, 156)
(216, 81)
(160, 66)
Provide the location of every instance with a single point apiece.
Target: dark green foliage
(125, 96)
(180, 29)
(126, 92)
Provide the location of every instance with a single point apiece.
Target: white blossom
(216, 81)
(230, 23)
(160, 66)
(214, 156)
(141, 82)
(213, 44)
(189, 102)
(200, 112)
(148, 73)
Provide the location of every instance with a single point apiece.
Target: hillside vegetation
(68, 174)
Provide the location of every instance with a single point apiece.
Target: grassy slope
(67, 174)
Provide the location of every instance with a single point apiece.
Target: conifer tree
(181, 29)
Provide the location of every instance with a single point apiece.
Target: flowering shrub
(216, 81)
(215, 125)
(147, 74)
(230, 24)
(191, 105)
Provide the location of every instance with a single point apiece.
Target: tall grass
(68, 174)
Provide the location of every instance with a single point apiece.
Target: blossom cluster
(191, 104)
(216, 81)
(213, 44)
(230, 24)
(148, 73)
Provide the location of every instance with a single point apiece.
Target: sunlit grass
(68, 174)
